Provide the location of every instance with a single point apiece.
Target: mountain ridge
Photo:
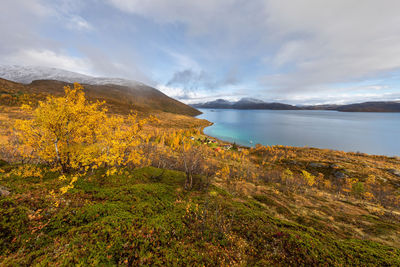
(248, 103)
(244, 103)
(28, 74)
(121, 95)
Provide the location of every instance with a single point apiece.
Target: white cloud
(49, 58)
(230, 20)
(184, 61)
(306, 43)
(295, 49)
(334, 41)
(192, 97)
(29, 31)
(79, 23)
(342, 95)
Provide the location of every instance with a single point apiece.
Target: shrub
(73, 134)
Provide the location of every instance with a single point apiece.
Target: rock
(4, 191)
(394, 172)
(317, 165)
(381, 179)
(340, 175)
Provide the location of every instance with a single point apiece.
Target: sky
(296, 52)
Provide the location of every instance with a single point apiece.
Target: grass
(132, 220)
(144, 218)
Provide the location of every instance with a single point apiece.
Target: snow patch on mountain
(250, 100)
(27, 74)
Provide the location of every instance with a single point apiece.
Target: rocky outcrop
(340, 175)
(394, 172)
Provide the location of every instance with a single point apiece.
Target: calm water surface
(372, 133)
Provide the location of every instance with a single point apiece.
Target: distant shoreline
(238, 143)
(381, 106)
(300, 109)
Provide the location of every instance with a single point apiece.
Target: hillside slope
(371, 107)
(144, 217)
(119, 98)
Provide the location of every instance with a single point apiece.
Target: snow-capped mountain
(122, 96)
(27, 74)
(249, 100)
(218, 103)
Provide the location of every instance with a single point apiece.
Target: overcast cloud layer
(299, 51)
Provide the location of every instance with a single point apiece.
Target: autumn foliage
(74, 136)
(71, 133)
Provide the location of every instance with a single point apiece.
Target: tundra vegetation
(82, 185)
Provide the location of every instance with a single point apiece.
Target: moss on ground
(134, 219)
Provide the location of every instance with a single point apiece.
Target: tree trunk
(189, 181)
(63, 169)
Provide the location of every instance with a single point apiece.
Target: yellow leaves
(54, 197)
(186, 146)
(223, 172)
(175, 142)
(377, 209)
(111, 171)
(370, 180)
(69, 186)
(153, 119)
(73, 134)
(308, 178)
(27, 171)
(369, 196)
(275, 191)
(64, 189)
(287, 175)
(26, 107)
(244, 152)
(348, 185)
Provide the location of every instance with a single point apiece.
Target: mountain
(320, 107)
(219, 103)
(251, 103)
(250, 100)
(121, 95)
(244, 103)
(389, 106)
(28, 74)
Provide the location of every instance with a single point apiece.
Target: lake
(372, 133)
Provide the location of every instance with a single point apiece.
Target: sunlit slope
(120, 98)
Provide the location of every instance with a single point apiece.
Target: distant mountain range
(244, 103)
(121, 95)
(251, 103)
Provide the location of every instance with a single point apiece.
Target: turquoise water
(372, 133)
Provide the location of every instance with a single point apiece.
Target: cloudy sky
(297, 51)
